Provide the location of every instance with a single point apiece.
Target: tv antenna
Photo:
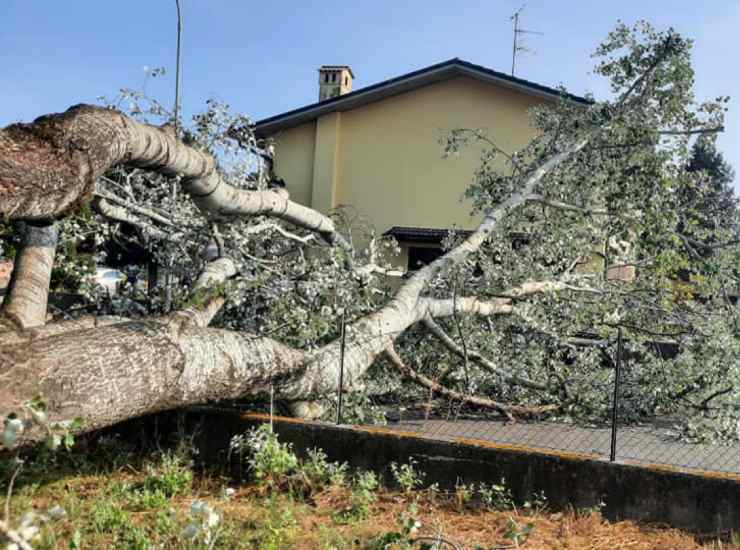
(518, 47)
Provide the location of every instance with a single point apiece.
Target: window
(326, 77)
(333, 77)
(421, 256)
(346, 80)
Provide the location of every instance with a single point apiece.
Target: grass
(115, 498)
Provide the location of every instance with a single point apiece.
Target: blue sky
(261, 57)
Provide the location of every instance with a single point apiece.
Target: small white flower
(198, 507)
(13, 429)
(190, 531)
(38, 416)
(212, 519)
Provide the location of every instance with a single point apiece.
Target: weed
(278, 528)
(318, 472)
(537, 504)
(164, 522)
(496, 496)
(270, 461)
(407, 476)
(133, 538)
(362, 496)
(463, 494)
(107, 517)
(404, 537)
(140, 501)
(433, 493)
(517, 533)
(170, 477)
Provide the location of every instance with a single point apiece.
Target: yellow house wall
(327, 158)
(391, 166)
(294, 159)
(385, 160)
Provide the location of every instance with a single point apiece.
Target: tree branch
(436, 308)
(207, 297)
(542, 287)
(122, 214)
(503, 408)
(51, 165)
(487, 364)
(112, 197)
(28, 292)
(711, 130)
(534, 197)
(271, 226)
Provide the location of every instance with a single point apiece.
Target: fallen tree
(598, 182)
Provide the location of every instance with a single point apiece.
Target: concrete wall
(692, 501)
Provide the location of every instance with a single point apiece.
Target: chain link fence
(650, 443)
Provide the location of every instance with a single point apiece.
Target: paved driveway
(647, 444)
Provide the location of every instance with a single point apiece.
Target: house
(377, 149)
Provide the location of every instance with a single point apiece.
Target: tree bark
(108, 374)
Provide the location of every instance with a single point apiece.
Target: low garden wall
(695, 501)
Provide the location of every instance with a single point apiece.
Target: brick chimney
(334, 80)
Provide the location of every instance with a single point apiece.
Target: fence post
(615, 401)
(340, 387)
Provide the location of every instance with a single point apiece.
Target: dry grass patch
(146, 501)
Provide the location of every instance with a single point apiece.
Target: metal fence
(653, 443)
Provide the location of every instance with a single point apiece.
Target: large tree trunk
(108, 374)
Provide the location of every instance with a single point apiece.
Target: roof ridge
(403, 83)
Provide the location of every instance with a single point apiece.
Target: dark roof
(423, 234)
(404, 83)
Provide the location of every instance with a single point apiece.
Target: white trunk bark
(28, 293)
